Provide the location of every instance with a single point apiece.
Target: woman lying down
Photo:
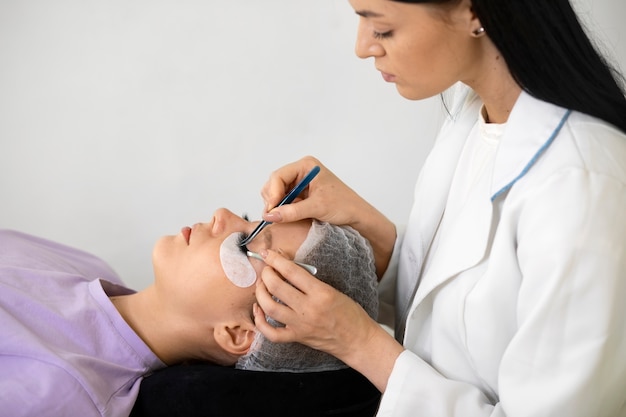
(75, 341)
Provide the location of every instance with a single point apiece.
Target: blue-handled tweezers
(291, 195)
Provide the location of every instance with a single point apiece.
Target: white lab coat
(522, 309)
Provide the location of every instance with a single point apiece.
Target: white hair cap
(344, 260)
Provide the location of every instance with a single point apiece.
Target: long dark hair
(550, 56)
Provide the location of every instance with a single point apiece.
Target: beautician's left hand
(317, 315)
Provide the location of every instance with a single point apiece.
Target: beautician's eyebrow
(368, 13)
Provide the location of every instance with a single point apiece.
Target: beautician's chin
(411, 93)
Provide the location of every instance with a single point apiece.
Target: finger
(280, 288)
(298, 210)
(283, 179)
(263, 296)
(277, 186)
(300, 282)
(274, 334)
(269, 287)
(267, 305)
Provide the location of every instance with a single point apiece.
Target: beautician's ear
(234, 338)
(475, 28)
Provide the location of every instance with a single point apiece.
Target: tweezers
(295, 191)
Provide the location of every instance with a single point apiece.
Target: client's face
(191, 273)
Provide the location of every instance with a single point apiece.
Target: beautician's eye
(382, 35)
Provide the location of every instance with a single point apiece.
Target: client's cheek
(235, 263)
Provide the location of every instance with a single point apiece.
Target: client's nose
(225, 221)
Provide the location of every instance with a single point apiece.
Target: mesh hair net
(344, 260)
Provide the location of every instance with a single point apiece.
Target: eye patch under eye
(235, 263)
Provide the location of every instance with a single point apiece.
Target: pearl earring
(478, 32)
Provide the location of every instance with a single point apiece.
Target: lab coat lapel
(432, 189)
(462, 244)
(431, 196)
(465, 242)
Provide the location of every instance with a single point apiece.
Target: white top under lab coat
(520, 310)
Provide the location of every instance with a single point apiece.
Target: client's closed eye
(243, 236)
(240, 238)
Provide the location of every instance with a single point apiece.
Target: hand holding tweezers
(291, 195)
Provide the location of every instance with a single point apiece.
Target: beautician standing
(509, 282)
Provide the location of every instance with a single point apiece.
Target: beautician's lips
(388, 77)
(186, 231)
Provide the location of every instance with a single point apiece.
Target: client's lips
(186, 231)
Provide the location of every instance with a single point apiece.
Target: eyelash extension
(382, 35)
(243, 236)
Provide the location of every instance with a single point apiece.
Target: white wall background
(124, 120)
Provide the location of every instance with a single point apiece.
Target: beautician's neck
(499, 106)
(494, 84)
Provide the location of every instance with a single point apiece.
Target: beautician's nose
(366, 46)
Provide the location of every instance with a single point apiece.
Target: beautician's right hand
(328, 199)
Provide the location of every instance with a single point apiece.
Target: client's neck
(155, 326)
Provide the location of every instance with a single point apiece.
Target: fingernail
(273, 216)
(263, 253)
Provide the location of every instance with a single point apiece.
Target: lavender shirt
(64, 348)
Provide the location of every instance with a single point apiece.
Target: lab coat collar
(523, 143)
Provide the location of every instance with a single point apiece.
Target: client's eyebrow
(267, 234)
(268, 237)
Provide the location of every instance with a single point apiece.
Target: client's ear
(234, 338)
